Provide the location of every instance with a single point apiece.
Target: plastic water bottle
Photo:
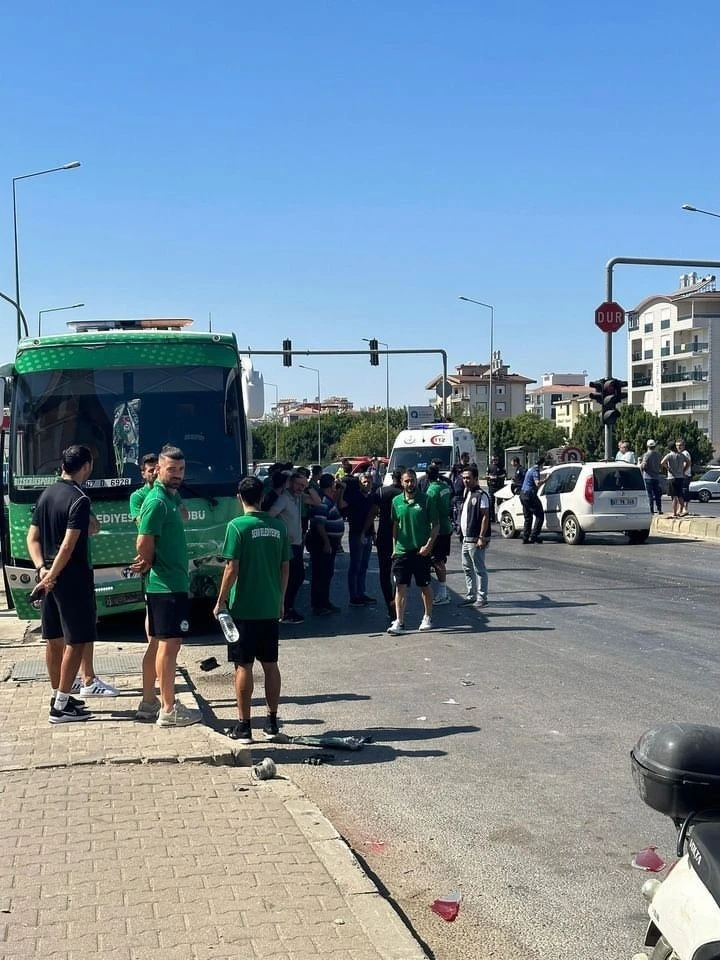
(227, 625)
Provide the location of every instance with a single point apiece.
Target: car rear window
(610, 479)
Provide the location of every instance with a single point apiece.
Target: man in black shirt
(384, 538)
(57, 542)
(358, 507)
(495, 479)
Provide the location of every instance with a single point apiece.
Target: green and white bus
(125, 388)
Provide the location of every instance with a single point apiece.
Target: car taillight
(590, 489)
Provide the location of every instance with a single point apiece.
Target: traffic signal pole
(647, 262)
(350, 353)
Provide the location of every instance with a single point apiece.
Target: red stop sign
(609, 316)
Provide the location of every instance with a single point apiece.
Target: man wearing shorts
(162, 555)
(439, 493)
(415, 527)
(257, 551)
(57, 542)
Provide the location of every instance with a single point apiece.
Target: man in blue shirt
(532, 507)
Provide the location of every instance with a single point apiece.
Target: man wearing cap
(652, 475)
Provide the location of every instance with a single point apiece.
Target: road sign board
(609, 316)
(572, 455)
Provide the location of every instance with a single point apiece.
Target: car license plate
(623, 501)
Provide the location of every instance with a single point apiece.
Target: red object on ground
(648, 859)
(447, 907)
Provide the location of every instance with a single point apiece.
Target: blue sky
(328, 171)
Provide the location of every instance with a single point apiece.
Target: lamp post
(315, 370)
(72, 306)
(490, 307)
(27, 176)
(692, 209)
(387, 393)
(277, 404)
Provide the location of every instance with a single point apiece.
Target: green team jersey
(160, 517)
(439, 493)
(414, 519)
(138, 498)
(261, 545)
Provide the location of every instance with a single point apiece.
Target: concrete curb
(383, 925)
(698, 528)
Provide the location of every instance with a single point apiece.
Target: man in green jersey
(148, 471)
(415, 527)
(257, 550)
(162, 555)
(440, 493)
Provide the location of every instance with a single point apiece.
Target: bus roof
(158, 323)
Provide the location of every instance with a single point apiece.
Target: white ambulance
(415, 449)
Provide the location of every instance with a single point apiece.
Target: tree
(364, 438)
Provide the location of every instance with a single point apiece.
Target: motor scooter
(676, 769)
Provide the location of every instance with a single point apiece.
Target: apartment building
(673, 363)
(555, 388)
(469, 389)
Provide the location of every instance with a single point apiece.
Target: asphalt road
(499, 765)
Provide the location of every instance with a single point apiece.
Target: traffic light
(287, 353)
(597, 391)
(374, 356)
(621, 388)
(611, 398)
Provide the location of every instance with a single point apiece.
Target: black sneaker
(72, 702)
(368, 601)
(271, 729)
(293, 617)
(68, 715)
(357, 602)
(242, 732)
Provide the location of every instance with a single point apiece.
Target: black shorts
(69, 611)
(258, 639)
(441, 548)
(409, 565)
(168, 615)
(677, 485)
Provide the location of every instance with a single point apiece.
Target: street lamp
(490, 398)
(27, 176)
(277, 413)
(315, 370)
(387, 394)
(72, 306)
(692, 209)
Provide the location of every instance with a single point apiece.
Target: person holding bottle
(257, 553)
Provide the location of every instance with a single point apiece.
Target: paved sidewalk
(126, 841)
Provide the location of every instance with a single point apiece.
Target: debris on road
(447, 907)
(209, 663)
(265, 770)
(648, 859)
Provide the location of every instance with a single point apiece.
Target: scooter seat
(703, 848)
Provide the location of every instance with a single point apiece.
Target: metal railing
(684, 405)
(688, 375)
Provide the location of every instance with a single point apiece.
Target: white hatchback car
(580, 498)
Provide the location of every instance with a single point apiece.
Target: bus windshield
(419, 458)
(121, 414)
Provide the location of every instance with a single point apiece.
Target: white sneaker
(77, 683)
(396, 627)
(179, 716)
(425, 624)
(98, 688)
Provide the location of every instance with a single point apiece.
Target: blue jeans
(476, 575)
(654, 494)
(359, 559)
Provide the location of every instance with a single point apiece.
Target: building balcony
(642, 381)
(694, 347)
(671, 405)
(688, 376)
(636, 356)
(633, 321)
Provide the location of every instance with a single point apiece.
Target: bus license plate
(623, 501)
